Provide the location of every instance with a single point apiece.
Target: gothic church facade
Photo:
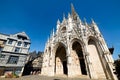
(77, 49)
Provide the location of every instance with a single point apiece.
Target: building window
(19, 43)
(17, 49)
(2, 56)
(13, 60)
(25, 44)
(10, 41)
(1, 49)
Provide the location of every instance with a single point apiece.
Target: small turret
(86, 24)
(53, 33)
(93, 22)
(58, 21)
(79, 20)
(48, 39)
(58, 25)
(69, 15)
(95, 26)
(69, 18)
(70, 22)
(63, 16)
(47, 43)
(64, 19)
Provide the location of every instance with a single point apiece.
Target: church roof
(23, 34)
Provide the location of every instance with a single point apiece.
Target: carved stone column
(51, 63)
(91, 72)
(69, 62)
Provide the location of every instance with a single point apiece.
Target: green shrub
(11, 75)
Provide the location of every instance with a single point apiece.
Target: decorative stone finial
(58, 21)
(63, 16)
(69, 15)
(53, 33)
(85, 21)
(93, 22)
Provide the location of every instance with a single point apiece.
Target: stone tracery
(77, 48)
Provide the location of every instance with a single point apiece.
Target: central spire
(74, 14)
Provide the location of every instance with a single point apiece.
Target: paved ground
(40, 77)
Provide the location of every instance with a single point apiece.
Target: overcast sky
(38, 17)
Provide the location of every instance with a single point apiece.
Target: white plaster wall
(24, 50)
(8, 48)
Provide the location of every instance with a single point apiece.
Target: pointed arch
(60, 60)
(94, 54)
(78, 57)
(78, 40)
(63, 29)
(57, 44)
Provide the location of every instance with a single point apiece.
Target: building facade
(34, 64)
(13, 53)
(77, 49)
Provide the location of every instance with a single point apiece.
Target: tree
(117, 67)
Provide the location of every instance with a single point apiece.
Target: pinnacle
(93, 22)
(72, 9)
(58, 21)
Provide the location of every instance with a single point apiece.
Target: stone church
(77, 49)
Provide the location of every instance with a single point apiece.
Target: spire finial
(58, 21)
(48, 39)
(93, 22)
(63, 16)
(64, 19)
(68, 15)
(53, 32)
(74, 14)
(72, 9)
(85, 21)
(58, 24)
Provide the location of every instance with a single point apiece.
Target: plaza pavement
(40, 77)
